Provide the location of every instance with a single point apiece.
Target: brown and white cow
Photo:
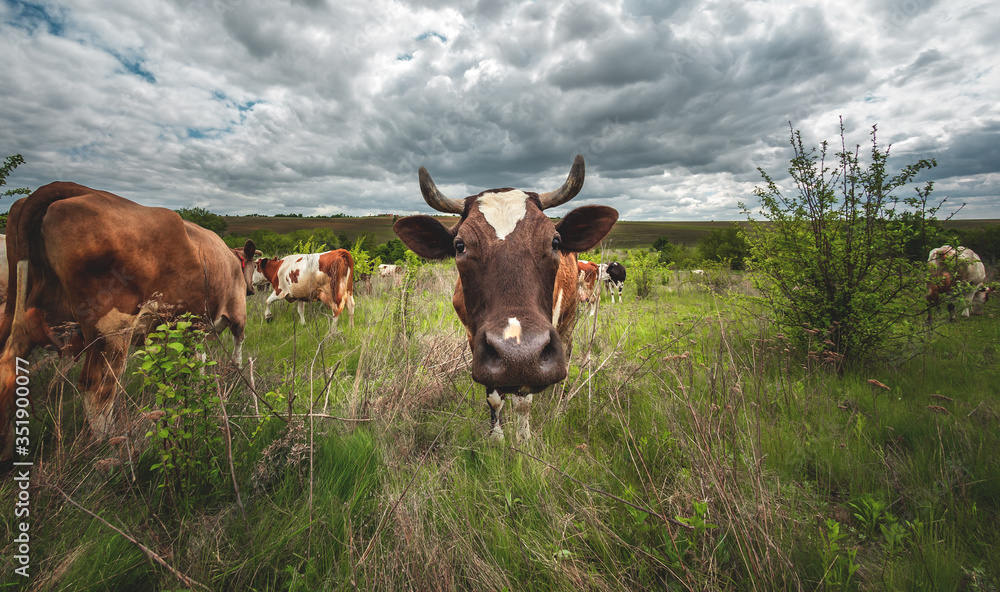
(950, 266)
(328, 277)
(587, 273)
(111, 269)
(517, 282)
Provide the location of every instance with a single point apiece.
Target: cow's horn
(572, 186)
(435, 198)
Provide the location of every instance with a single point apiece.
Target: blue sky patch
(32, 17)
(430, 34)
(134, 66)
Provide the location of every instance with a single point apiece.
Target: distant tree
(665, 250)
(205, 219)
(393, 251)
(984, 241)
(725, 245)
(9, 164)
(271, 243)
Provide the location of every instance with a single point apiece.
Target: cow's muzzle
(534, 360)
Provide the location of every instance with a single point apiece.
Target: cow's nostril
(489, 357)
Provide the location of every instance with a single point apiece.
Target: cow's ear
(585, 227)
(249, 250)
(425, 236)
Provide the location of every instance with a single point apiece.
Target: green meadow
(690, 448)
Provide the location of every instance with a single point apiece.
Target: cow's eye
(459, 246)
(556, 243)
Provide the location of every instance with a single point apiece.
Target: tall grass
(690, 448)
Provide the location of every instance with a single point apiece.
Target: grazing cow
(587, 281)
(388, 269)
(110, 269)
(328, 277)
(517, 282)
(948, 267)
(613, 276)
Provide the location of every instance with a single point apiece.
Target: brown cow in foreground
(108, 269)
(328, 277)
(517, 282)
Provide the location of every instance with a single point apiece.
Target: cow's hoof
(496, 434)
(268, 319)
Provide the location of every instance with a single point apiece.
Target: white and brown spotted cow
(955, 267)
(328, 277)
(517, 282)
(110, 269)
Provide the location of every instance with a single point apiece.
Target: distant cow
(587, 274)
(113, 269)
(950, 266)
(388, 269)
(613, 276)
(328, 277)
(517, 282)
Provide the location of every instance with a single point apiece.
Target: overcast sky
(326, 106)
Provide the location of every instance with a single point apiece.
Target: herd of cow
(90, 273)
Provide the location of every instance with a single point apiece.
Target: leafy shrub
(9, 164)
(185, 431)
(642, 266)
(725, 245)
(833, 259)
(664, 249)
(364, 263)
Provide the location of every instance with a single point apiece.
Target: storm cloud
(318, 107)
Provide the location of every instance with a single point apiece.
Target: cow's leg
(971, 297)
(267, 306)
(301, 305)
(18, 347)
(495, 401)
(238, 332)
(98, 382)
(350, 309)
(335, 308)
(522, 409)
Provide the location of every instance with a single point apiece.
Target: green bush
(725, 245)
(642, 267)
(185, 432)
(205, 219)
(832, 262)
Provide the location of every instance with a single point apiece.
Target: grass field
(689, 449)
(624, 235)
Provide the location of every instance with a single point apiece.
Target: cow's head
(508, 253)
(246, 255)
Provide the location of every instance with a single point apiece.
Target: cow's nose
(527, 358)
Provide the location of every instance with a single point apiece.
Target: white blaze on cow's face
(503, 210)
(513, 330)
